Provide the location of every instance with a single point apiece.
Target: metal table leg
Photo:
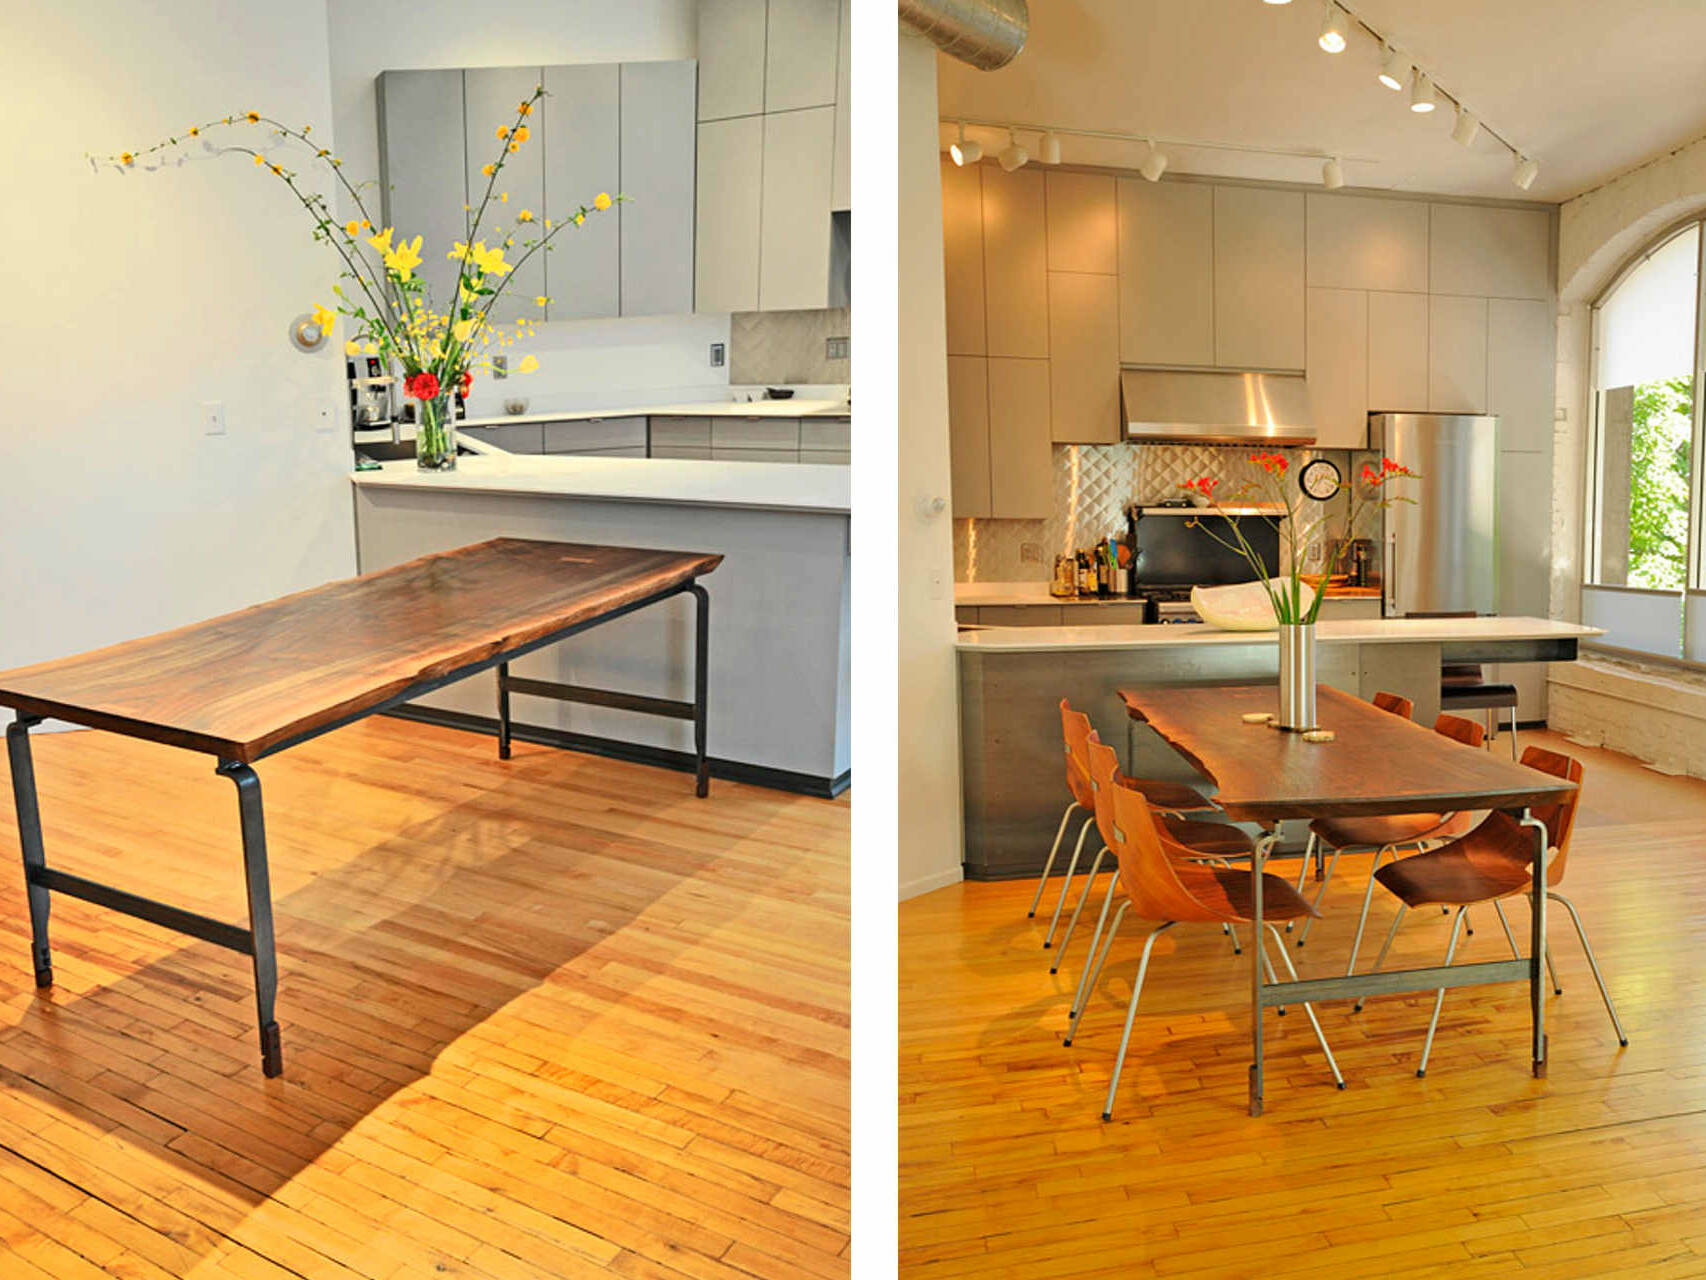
(1537, 945)
(29, 837)
(503, 711)
(701, 687)
(1263, 847)
(260, 910)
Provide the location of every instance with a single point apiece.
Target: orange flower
(503, 132)
(521, 133)
(127, 158)
(525, 109)
(253, 117)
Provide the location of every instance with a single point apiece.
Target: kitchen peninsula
(1013, 678)
(779, 608)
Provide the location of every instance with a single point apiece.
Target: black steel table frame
(1265, 995)
(256, 942)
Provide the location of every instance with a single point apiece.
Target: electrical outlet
(213, 417)
(500, 368)
(1030, 553)
(835, 348)
(718, 352)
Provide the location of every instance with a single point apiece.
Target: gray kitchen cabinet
(962, 257)
(490, 95)
(658, 157)
(821, 434)
(1166, 272)
(794, 222)
(1525, 532)
(595, 435)
(731, 173)
(1350, 608)
(1083, 227)
(1365, 242)
(1457, 355)
(1337, 369)
(800, 54)
(755, 433)
(1015, 263)
(968, 435)
(827, 457)
(511, 437)
(1021, 462)
(731, 58)
(581, 144)
(1397, 352)
(1521, 369)
(1084, 371)
(1258, 278)
(754, 455)
(682, 452)
(681, 433)
(1022, 615)
(841, 186)
(423, 178)
(1490, 252)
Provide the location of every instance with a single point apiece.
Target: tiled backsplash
(788, 347)
(1093, 485)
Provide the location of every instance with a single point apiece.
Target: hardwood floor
(1600, 1170)
(543, 1018)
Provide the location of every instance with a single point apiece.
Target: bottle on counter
(1086, 577)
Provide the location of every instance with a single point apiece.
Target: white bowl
(1244, 606)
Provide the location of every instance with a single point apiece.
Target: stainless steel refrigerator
(1440, 553)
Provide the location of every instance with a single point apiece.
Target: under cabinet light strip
(1144, 139)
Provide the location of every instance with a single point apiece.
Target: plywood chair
(1162, 886)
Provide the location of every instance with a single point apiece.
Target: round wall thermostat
(305, 335)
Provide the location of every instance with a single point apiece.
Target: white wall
(929, 749)
(583, 364)
(130, 300)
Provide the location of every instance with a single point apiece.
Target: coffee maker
(369, 393)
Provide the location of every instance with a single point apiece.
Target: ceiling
(1589, 89)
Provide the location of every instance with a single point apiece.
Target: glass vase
(435, 435)
(1297, 676)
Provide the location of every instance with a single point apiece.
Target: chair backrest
(1471, 733)
(1129, 828)
(1559, 818)
(1396, 703)
(1075, 730)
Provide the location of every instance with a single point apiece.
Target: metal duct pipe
(984, 33)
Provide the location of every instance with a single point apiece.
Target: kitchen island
(1013, 678)
(779, 606)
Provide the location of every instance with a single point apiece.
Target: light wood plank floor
(550, 1017)
(1477, 1170)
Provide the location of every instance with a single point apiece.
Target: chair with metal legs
(1491, 863)
(1162, 886)
(1173, 797)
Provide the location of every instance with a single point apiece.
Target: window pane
(1646, 403)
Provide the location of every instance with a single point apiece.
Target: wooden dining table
(247, 685)
(1376, 764)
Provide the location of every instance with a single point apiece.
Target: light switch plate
(213, 417)
(718, 351)
(500, 368)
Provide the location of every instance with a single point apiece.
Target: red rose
(465, 380)
(422, 386)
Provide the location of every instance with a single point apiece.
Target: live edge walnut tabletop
(246, 685)
(1377, 763)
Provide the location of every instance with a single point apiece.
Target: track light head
(1048, 150)
(1334, 29)
(1421, 91)
(1013, 156)
(1332, 174)
(1394, 69)
(1154, 164)
(964, 152)
(1465, 131)
(1525, 172)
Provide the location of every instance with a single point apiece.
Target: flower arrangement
(439, 345)
(1268, 486)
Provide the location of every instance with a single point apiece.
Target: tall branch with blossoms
(1269, 486)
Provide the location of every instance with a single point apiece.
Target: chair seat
(1211, 839)
(1493, 861)
(1225, 894)
(1473, 697)
(1169, 797)
(1401, 828)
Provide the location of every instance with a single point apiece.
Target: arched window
(1643, 527)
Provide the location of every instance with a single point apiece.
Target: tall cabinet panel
(1166, 270)
(422, 167)
(491, 95)
(1258, 278)
(1397, 352)
(1015, 263)
(799, 55)
(731, 184)
(968, 434)
(1084, 369)
(794, 235)
(731, 58)
(962, 257)
(841, 188)
(658, 157)
(1021, 461)
(582, 150)
(1457, 355)
(1338, 367)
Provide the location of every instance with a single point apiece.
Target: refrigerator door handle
(1389, 556)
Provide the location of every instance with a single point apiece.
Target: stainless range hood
(1176, 406)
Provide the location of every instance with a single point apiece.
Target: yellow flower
(515, 146)
(528, 364)
(382, 241)
(503, 197)
(372, 348)
(195, 131)
(525, 109)
(462, 330)
(405, 257)
(259, 158)
(601, 201)
(458, 253)
(277, 170)
(253, 117)
(526, 215)
(579, 218)
(366, 225)
(489, 261)
(352, 348)
(547, 224)
(352, 228)
(322, 152)
(128, 158)
(503, 132)
(324, 318)
(521, 133)
(541, 300)
(486, 171)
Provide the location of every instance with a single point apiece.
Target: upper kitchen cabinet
(1021, 462)
(841, 188)
(1490, 252)
(731, 177)
(1338, 367)
(582, 149)
(1397, 353)
(1363, 242)
(1457, 355)
(1258, 278)
(794, 220)
(423, 177)
(658, 160)
(968, 435)
(962, 257)
(1166, 272)
(1015, 263)
(731, 58)
(1084, 369)
(490, 95)
(1521, 368)
(801, 43)
(1083, 230)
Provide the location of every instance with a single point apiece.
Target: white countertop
(790, 486)
(795, 408)
(1008, 594)
(1350, 631)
